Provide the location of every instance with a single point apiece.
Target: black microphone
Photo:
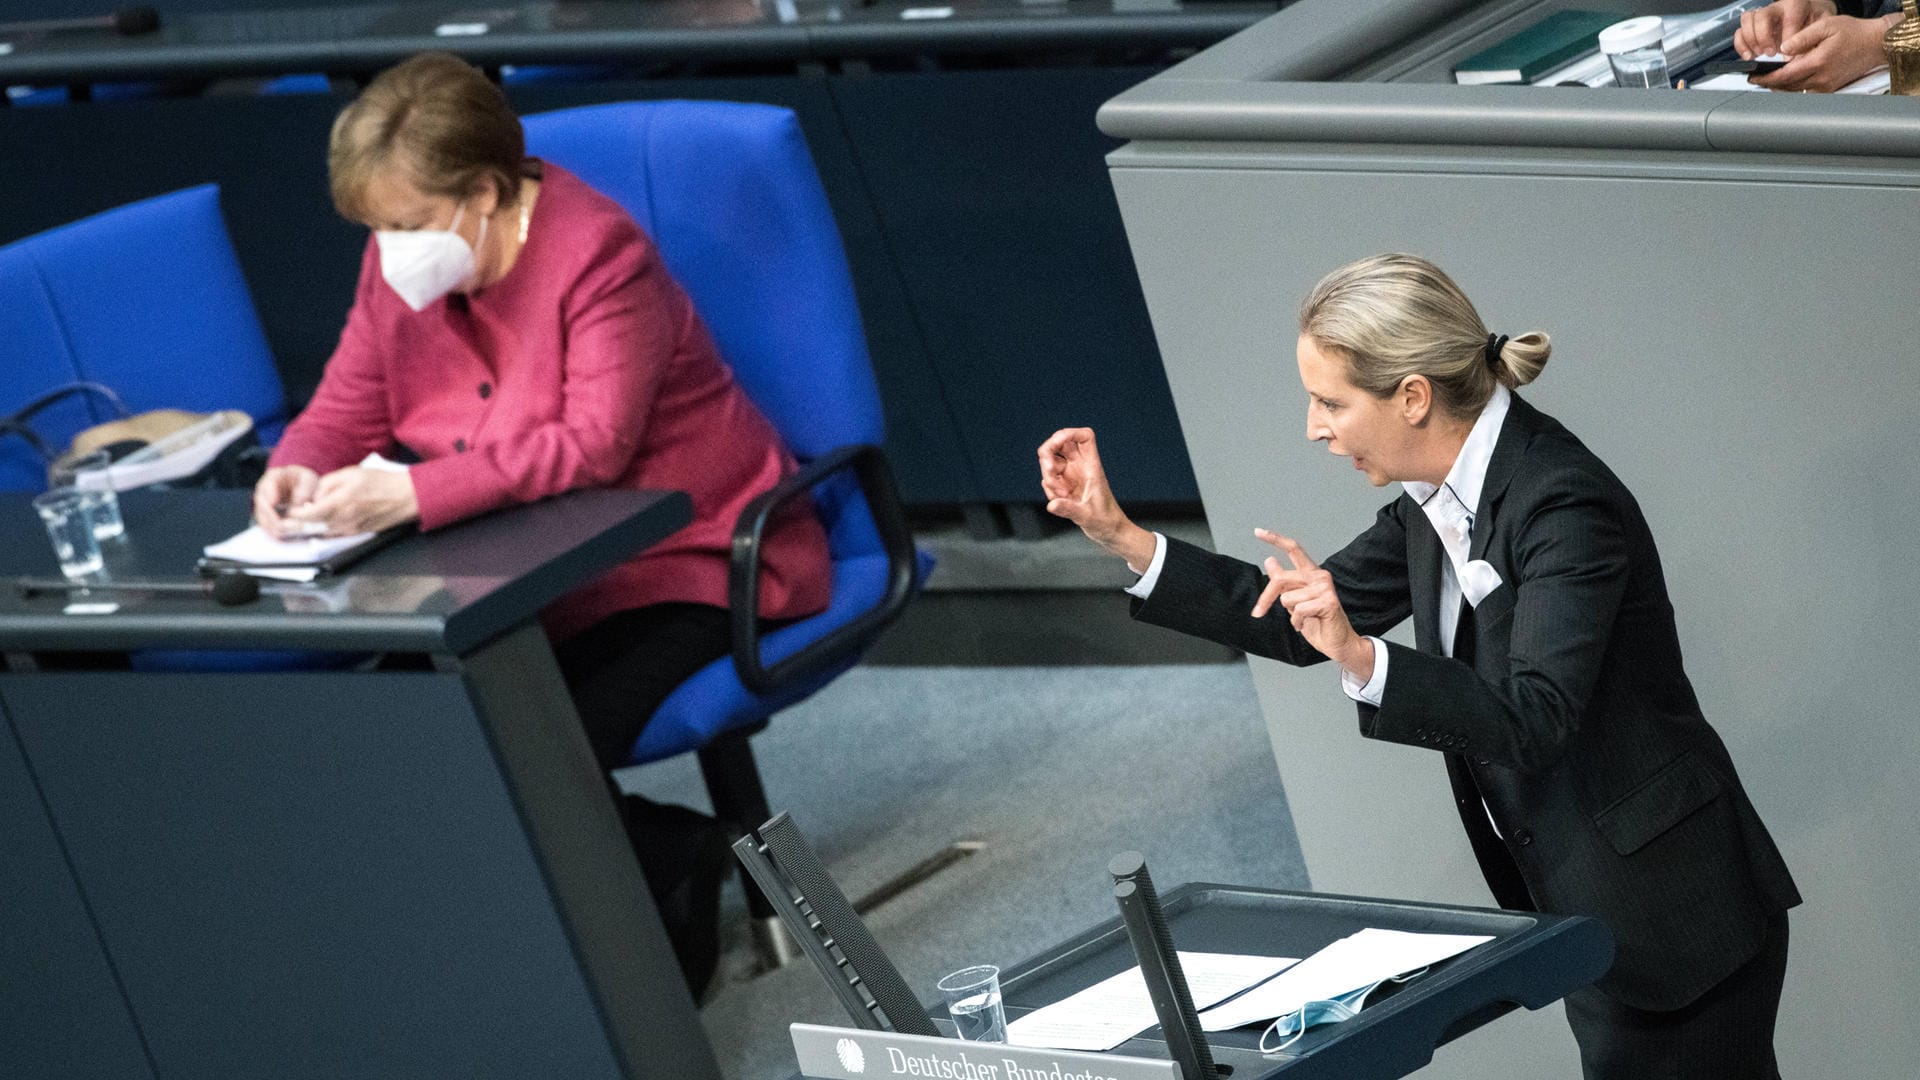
(126, 21)
(229, 588)
(1146, 924)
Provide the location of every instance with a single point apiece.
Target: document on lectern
(1114, 1010)
(1360, 959)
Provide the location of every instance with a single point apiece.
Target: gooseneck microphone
(229, 588)
(126, 21)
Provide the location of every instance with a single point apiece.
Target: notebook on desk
(306, 558)
(1523, 57)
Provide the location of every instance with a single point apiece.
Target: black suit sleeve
(1572, 565)
(1212, 596)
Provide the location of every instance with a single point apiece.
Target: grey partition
(1724, 278)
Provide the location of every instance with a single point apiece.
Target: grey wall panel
(1759, 408)
(62, 1015)
(294, 885)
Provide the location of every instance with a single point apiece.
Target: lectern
(360, 871)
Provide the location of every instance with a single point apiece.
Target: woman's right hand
(1763, 32)
(1075, 484)
(282, 488)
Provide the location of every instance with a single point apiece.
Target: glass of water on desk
(64, 512)
(88, 475)
(973, 1000)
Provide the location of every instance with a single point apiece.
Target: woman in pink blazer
(516, 332)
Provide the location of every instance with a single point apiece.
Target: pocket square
(1477, 580)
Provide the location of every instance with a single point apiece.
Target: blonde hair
(1391, 316)
(438, 118)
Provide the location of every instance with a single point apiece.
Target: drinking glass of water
(88, 475)
(64, 512)
(973, 1000)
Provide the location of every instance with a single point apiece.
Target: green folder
(1539, 48)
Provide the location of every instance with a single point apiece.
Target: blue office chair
(729, 194)
(146, 299)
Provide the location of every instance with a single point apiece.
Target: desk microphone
(229, 588)
(126, 21)
(1146, 924)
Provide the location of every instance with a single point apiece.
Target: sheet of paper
(254, 545)
(1110, 1012)
(1877, 81)
(1354, 961)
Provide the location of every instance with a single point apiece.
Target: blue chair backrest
(730, 195)
(147, 298)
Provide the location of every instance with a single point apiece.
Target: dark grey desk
(325, 873)
(1533, 961)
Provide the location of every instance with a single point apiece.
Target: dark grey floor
(1016, 705)
(1055, 769)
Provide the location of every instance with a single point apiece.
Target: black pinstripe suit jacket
(1575, 722)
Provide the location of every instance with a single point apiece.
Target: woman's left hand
(1307, 594)
(356, 500)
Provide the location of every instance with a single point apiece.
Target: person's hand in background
(1830, 53)
(1764, 32)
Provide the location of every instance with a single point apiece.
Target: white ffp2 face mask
(423, 265)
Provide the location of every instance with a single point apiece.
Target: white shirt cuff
(1144, 587)
(1368, 694)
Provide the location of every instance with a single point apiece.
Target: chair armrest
(869, 467)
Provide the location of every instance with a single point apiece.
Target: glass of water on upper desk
(973, 1000)
(70, 527)
(88, 474)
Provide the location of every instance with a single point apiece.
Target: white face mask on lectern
(423, 265)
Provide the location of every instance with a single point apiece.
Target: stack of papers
(265, 555)
(1354, 961)
(1109, 1013)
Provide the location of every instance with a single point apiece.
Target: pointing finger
(1295, 553)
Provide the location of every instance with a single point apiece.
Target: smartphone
(1744, 67)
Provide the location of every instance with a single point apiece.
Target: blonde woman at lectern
(1547, 669)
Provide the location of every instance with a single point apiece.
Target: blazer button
(1522, 837)
(486, 390)
(459, 446)
(1420, 733)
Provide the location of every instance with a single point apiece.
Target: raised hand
(1306, 592)
(1075, 484)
